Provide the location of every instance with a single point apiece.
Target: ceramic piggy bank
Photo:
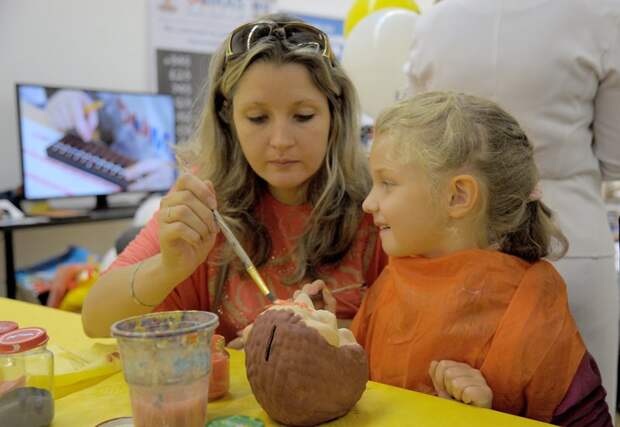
(303, 370)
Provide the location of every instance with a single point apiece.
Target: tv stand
(7, 227)
(102, 204)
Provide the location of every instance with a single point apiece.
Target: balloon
(363, 8)
(374, 56)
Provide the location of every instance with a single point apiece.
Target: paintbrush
(236, 247)
(319, 296)
(251, 269)
(346, 288)
(243, 256)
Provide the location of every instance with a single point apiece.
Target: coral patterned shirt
(241, 300)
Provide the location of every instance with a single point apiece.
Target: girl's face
(403, 204)
(282, 121)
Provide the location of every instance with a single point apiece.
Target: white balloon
(374, 56)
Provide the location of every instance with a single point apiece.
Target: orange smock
(496, 312)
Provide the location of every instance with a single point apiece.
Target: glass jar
(220, 368)
(26, 378)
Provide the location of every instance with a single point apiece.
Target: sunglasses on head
(296, 35)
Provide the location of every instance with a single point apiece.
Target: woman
(563, 86)
(277, 152)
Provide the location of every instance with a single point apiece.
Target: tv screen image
(83, 142)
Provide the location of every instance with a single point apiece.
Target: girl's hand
(187, 229)
(320, 295)
(459, 381)
(242, 337)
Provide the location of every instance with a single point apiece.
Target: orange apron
(493, 311)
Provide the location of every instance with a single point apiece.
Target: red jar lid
(22, 340)
(7, 326)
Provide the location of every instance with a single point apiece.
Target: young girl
(466, 307)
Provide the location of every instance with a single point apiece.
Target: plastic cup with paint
(166, 362)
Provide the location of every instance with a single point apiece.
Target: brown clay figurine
(303, 370)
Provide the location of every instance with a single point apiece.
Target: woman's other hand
(320, 295)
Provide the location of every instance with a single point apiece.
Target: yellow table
(380, 405)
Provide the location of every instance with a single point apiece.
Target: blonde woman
(277, 152)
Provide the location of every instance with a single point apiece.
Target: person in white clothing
(554, 65)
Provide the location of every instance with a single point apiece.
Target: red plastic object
(7, 326)
(23, 339)
(219, 382)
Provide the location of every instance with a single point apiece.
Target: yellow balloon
(363, 8)
(357, 12)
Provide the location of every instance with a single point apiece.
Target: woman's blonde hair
(447, 132)
(335, 192)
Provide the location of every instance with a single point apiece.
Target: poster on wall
(181, 74)
(183, 35)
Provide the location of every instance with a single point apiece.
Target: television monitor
(85, 142)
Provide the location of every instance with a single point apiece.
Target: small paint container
(167, 362)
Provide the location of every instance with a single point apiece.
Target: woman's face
(282, 121)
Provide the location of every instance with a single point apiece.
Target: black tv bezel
(97, 195)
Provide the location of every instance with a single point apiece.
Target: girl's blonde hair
(449, 132)
(335, 192)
